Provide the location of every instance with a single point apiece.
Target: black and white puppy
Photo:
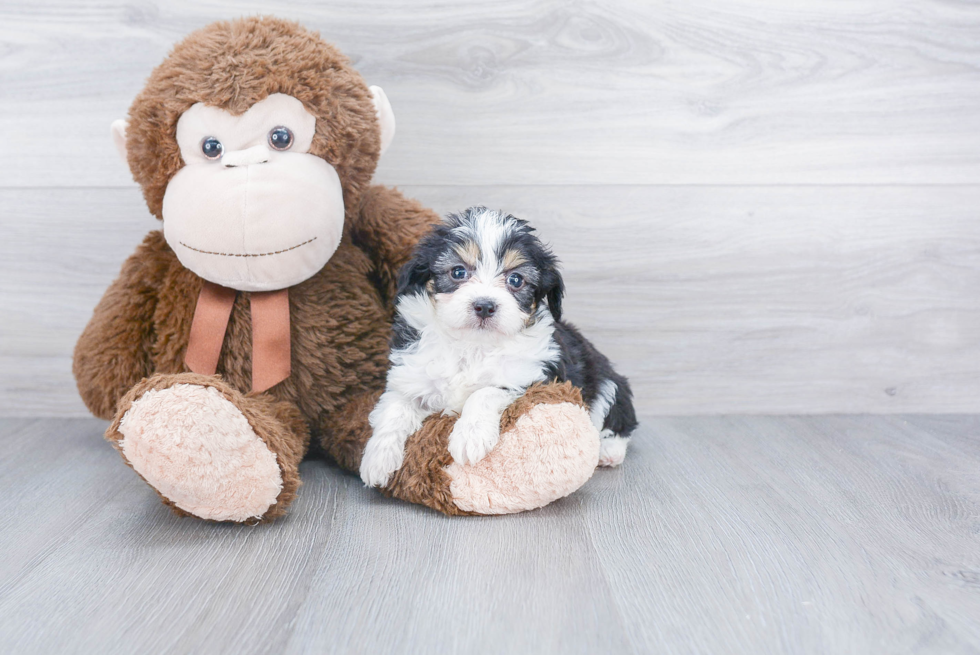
(478, 320)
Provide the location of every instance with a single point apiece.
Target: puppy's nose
(484, 307)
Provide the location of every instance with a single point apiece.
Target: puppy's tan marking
(512, 259)
(469, 252)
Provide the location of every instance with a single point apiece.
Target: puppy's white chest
(473, 371)
(441, 376)
(459, 372)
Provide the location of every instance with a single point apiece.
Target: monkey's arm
(113, 353)
(388, 227)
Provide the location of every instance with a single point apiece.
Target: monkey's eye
(515, 281)
(458, 273)
(211, 147)
(280, 138)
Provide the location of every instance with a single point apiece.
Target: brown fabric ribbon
(270, 333)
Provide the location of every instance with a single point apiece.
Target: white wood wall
(763, 207)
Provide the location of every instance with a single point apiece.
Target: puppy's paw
(382, 457)
(471, 439)
(612, 449)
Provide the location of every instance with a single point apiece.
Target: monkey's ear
(386, 117)
(118, 130)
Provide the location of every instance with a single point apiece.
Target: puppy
(478, 320)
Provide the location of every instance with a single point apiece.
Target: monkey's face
(247, 141)
(252, 209)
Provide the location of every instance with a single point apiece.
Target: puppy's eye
(515, 281)
(458, 273)
(211, 147)
(280, 138)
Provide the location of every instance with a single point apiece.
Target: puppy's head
(485, 274)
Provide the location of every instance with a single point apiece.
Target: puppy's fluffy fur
(478, 321)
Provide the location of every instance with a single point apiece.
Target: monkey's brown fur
(340, 318)
(232, 65)
(423, 479)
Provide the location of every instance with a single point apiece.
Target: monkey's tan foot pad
(197, 449)
(550, 451)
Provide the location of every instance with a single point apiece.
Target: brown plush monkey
(258, 318)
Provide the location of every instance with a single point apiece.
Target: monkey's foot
(195, 447)
(548, 448)
(551, 450)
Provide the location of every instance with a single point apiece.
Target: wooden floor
(835, 534)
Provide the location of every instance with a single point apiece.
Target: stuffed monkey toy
(253, 328)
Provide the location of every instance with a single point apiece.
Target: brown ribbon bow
(270, 333)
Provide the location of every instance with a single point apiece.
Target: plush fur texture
(131, 353)
(278, 424)
(232, 65)
(536, 449)
(524, 472)
(198, 449)
(339, 328)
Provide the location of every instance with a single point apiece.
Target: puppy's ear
(414, 275)
(553, 289)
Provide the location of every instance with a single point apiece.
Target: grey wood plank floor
(753, 534)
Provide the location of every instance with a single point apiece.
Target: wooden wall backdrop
(762, 207)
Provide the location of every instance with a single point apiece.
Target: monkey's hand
(114, 352)
(388, 227)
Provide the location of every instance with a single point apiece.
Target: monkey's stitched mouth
(258, 254)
